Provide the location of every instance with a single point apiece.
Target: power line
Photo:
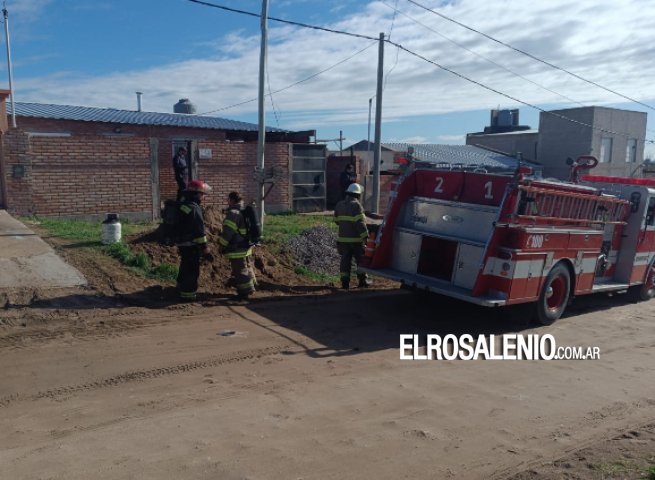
(483, 57)
(463, 77)
(270, 95)
(281, 20)
(491, 89)
(298, 82)
(523, 52)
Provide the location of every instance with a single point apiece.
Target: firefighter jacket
(233, 240)
(349, 215)
(191, 225)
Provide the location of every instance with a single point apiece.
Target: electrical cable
(281, 20)
(417, 55)
(298, 82)
(270, 95)
(523, 52)
(491, 89)
(483, 57)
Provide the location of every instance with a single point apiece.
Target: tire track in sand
(142, 375)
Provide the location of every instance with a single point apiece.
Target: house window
(631, 151)
(605, 150)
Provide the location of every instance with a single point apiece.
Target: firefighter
(349, 215)
(192, 242)
(235, 245)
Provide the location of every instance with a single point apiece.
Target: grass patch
(88, 234)
(81, 231)
(140, 263)
(320, 277)
(650, 472)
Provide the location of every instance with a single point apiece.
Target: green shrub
(141, 261)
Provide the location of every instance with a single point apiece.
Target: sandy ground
(97, 386)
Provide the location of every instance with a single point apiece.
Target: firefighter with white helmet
(349, 216)
(192, 241)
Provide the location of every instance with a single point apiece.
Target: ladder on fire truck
(539, 204)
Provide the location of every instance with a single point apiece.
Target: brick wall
(77, 176)
(232, 168)
(94, 171)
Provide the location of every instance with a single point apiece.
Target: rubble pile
(316, 250)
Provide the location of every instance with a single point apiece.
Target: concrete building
(615, 137)
(616, 140)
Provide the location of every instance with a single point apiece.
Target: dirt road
(308, 388)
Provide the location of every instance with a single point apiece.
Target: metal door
(308, 177)
(467, 265)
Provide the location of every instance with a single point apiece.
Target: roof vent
(184, 106)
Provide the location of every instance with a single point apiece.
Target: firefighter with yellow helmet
(349, 216)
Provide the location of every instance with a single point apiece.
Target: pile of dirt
(275, 273)
(316, 250)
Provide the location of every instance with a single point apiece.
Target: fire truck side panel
(469, 236)
(473, 223)
(524, 257)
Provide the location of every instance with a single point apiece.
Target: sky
(99, 53)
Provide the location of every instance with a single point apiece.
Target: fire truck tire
(554, 295)
(645, 291)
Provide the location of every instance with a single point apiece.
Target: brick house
(72, 161)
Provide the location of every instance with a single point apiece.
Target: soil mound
(275, 273)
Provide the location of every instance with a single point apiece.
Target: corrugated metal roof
(131, 117)
(466, 155)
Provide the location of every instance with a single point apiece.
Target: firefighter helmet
(355, 189)
(198, 186)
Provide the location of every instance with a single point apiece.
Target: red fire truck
(498, 240)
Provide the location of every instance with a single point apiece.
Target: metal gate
(308, 177)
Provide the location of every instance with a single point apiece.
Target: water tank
(184, 106)
(504, 118)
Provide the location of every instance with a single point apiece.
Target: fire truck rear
(498, 240)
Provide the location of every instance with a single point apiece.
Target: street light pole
(261, 139)
(5, 13)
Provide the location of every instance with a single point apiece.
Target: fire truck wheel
(645, 291)
(554, 295)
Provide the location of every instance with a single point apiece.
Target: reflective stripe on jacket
(233, 237)
(349, 215)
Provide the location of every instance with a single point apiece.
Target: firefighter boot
(345, 283)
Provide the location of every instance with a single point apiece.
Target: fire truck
(508, 239)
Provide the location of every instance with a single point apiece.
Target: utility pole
(11, 79)
(340, 143)
(261, 139)
(377, 153)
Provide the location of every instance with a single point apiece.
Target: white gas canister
(111, 229)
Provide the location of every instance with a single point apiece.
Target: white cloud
(451, 138)
(603, 40)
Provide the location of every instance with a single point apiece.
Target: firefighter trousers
(348, 252)
(243, 275)
(187, 276)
